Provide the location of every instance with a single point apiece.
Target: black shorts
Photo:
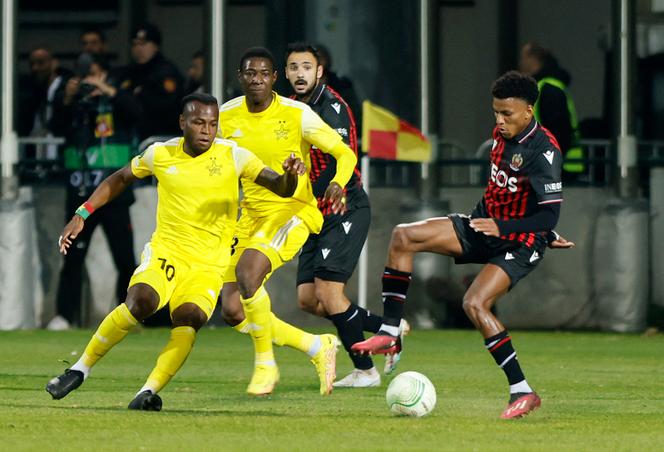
(516, 259)
(332, 255)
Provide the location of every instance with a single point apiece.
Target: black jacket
(157, 86)
(553, 111)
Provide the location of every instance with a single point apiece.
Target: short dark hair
(257, 52)
(93, 30)
(515, 84)
(198, 54)
(298, 47)
(203, 98)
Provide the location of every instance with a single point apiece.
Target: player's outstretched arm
(284, 184)
(109, 188)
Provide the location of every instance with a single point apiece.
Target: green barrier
(99, 157)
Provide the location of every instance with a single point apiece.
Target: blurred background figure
(554, 108)
(195, 82)
(99, 140)
(155, 83)
(93, 41)
(341, 84)
(40, 93)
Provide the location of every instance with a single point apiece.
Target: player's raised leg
(434, 235)
(142, 301)
(490, 284)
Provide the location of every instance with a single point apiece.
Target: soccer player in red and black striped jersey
(329, 258)
(508, 231)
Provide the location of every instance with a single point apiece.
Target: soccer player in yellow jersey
(271, 230)
(184, 262)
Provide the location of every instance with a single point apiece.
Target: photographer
(100, 140)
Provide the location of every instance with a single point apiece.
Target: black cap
(147, 32)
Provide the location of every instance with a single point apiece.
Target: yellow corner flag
(386, 136)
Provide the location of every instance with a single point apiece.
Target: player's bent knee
(309, 305)
(189, 314)
(247, 289)
(142, 301)
(248, 282)
(400, 239)
(473, 306)
(232, 315)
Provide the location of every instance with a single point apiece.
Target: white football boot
(359, 379)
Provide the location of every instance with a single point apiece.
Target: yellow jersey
(286, 126)
(197, 204)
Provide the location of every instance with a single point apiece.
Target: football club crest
(517, 161)
(282, 132)
(215, 170)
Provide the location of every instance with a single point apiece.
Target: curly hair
(515, 84)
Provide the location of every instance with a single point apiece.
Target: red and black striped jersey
(332, 108)
(524, 173)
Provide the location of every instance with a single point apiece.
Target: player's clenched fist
(294, 165)
(334, 195)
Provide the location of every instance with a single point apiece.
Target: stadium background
(609, 281)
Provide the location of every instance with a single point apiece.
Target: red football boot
(382, 343)
(523, 405)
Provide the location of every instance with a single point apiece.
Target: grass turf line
(599, 391)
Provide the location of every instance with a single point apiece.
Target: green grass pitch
(599, 392)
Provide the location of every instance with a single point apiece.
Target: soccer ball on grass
(411, 394)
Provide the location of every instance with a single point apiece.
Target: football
(411, 394)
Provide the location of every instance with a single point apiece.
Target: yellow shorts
(279, 236)
(178, 280)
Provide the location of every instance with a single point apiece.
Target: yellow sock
(171, 358)
(286, 334)
(112, 330)
(259, 321)
(242, 327)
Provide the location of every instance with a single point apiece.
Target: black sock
(349, 328)
(370, 321)
(500, 347)
(395, 288)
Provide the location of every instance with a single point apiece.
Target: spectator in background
(342, 85)
(554, 108)
(100, 140)
(93, 41)
(195, 82)
(155, 83)
(40, 94)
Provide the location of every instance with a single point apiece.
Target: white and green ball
(411, 394)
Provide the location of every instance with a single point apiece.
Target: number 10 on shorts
(169, 270)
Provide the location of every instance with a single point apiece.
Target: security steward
(155, 82)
